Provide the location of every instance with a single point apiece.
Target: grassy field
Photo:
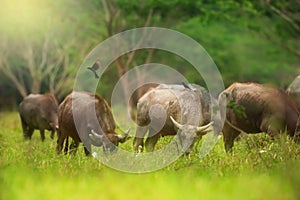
(258, 169)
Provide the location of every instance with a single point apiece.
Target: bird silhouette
(186, 85)
(94, 68)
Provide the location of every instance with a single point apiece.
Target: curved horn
(180, 126)
(203, 128)
(96, 138)
(123, 137)
(126, 132)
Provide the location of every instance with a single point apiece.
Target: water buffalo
(38, 111)
(165, 109)
(87, 118)
(255, 108)
(294, 91)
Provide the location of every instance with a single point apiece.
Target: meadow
(259, 168)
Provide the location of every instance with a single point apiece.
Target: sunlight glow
(23, 16)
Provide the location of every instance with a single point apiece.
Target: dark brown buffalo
(294, 91)
(87, 118)
(38, 111)
(255, 108)
(160, 110)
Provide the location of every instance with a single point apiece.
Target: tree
(37, 65)
(286, 32)
(41, 48)
(114, 24)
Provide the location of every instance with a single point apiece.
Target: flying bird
(94, 68)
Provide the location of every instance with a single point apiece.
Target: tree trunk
(36, 85)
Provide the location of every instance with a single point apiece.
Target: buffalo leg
(74, 147)
(42, 132)
(229, 136)
(272, 126)
(52, 134)
(30, 132)
(87, 147)
(139, 137)
(66, 149)
(87, 150)
(25, 129)
(60, 143)
(151, 141)
(26, 134)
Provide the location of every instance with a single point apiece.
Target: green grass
(31, 170)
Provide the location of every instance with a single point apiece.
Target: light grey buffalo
(38, 111)
(294, 91)
(165, 109)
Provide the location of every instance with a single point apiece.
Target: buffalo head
(109, 141)
(188, 133)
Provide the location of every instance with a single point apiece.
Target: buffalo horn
(203, 128)
(198, 128)
(180, 126)
(123, 137)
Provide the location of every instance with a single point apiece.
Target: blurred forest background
(43, 42)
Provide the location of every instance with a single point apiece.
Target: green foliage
(241, 55)
(259, 167)
(238, 109)
(247, 40)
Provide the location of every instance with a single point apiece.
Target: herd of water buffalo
(186, 109)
